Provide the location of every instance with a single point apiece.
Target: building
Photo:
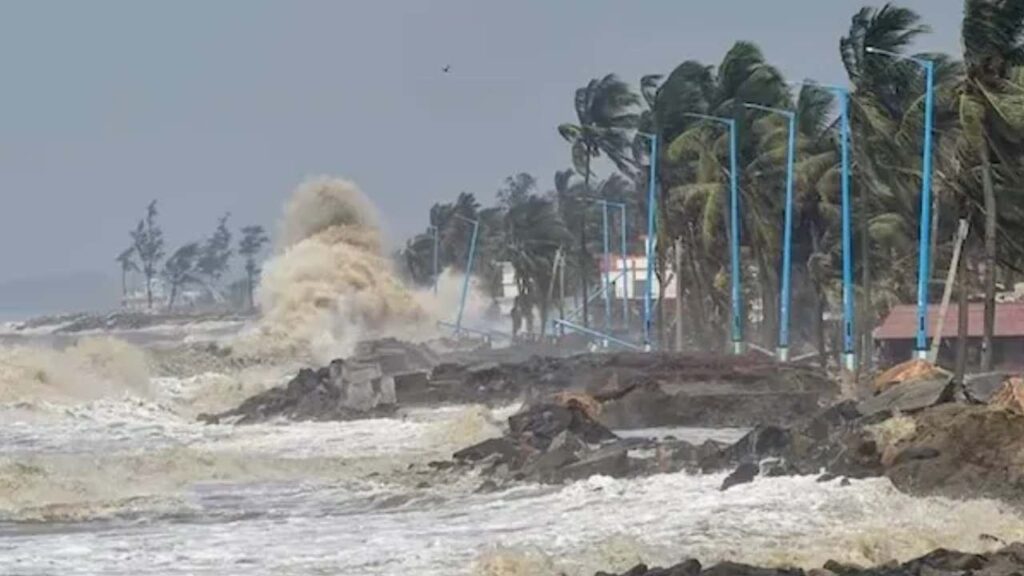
(896, 335)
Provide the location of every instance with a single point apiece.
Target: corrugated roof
(902, 321)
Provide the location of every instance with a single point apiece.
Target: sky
(225, 106)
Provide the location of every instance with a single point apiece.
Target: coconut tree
(533, 232)
(992, 118)
(127, 261)
(605, 113)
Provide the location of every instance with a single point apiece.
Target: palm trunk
(584, 255)
(990, 260)
(174, 294)
(819, 295)
(679, 292)
(149, 290)
(867, 315)
(124, 286)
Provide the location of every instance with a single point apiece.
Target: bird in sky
(447, 69)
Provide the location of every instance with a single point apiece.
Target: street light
(843, 95)
(649, 249)
(625, 277)
(734, 236)
(924, 245)
(469, 270)
(787, 235)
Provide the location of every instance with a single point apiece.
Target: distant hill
(80, 291)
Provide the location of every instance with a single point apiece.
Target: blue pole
(650, 241)
(924, 248)
(607, 272)
(787, 244)
(465, 281)
(734, 240)
(625, 275)
(436, 276)
(849, 357)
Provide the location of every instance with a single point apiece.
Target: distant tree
(127, 262)
(148, 244)
(253, 239)
(181, 269)
(215, 254)
(517, 189)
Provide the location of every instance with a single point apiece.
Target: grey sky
(213, 106)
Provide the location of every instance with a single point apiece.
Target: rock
(410, 386)
(612, 461)
(909, 397)
(915, 453)
(501, 446)
(980, 388)
(688, 567)
(745, 473)
(842, 569)
(1010, 395)
(915, 370)
(548, 466)
(734, 569)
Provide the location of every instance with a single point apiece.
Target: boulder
(909, 396)
(743, 474)
(611, 460)
(980, 388)
(500, 446)
(914, 370)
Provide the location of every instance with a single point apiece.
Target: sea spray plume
(330, 283)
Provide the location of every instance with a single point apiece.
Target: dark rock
(547, 466)
(638, 570)
(501, 446)
(844, 482)
(842, 569)
(688, 567)
(441, 465)
(915, 453)
(745, 473)
(612, 460)
(541, 423)
(910, 396)
(735, 569)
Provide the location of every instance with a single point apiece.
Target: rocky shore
(1007, 561)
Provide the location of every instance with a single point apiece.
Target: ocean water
(130, 484)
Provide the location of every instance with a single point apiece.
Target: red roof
(902, 321)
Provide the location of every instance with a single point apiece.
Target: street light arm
(780, 111)
(721, 119)
(898, 56)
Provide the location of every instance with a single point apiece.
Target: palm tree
(604, 111)
(533, 233)
(127, 261)
(990, 115)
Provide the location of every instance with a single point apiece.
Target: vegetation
(249, 247)
(978, 175)
(202, 263)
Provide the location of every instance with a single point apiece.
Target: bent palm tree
(605, 115)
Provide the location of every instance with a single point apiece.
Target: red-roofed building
(897, 333)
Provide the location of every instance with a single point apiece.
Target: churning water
(131, 485)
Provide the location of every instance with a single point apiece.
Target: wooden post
(947, 292)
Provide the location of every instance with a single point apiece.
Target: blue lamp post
(469, 271)
(924, 245)
(843, 96)
(622, 239)
(787, 234)
(734, 232)
(649, 248)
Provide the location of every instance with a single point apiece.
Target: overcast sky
(214, 106)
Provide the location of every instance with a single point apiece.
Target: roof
(901, 323)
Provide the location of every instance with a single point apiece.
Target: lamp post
(469, 270)
(924, 244)
(734, 232)
(843, 95)
(623, 248)
(649, 248)
(787, 234)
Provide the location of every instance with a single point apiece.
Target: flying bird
(447, 69)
